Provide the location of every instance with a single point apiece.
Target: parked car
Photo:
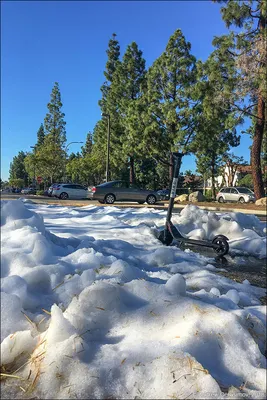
(112, 191)
(164, 194)
(235, 194)
(16, 190)
(50, 189)
(66, 191)
(28, 190)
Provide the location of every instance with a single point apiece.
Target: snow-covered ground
(94, 306)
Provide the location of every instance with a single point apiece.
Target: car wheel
(221, 199)
(241, 200)
(64, 196)
(110, 198)
(151, 199)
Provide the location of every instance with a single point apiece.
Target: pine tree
(40, 136)
(242, 75)
(17, 168)
(113, 53)
(54, 123)
(50, 158)
(87, 148)
(108, 107)
(126, 90)
(168, 116)
(215, 129)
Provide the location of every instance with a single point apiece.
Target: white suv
(66, 191)
(235, 194)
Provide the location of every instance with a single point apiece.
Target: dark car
(109, 192)
(28, 190)
(164, 194)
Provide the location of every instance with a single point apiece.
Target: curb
(241, 210)
(159, 206)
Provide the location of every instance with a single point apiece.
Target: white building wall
(219, 179)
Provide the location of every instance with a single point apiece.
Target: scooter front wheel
(223, 245)
(165, 237)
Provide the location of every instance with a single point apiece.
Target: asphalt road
(159, 205)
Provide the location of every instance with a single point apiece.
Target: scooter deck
(195, 242)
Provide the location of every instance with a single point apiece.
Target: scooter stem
(177, 165)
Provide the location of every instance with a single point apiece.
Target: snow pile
(94, 306)
(246, 233)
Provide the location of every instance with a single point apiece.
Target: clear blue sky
(66, 41)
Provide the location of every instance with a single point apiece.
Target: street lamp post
(108, 147)
(66, 148)
(34, 148)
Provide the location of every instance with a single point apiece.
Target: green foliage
(125, 91)
(246, 181)
(40, 136)
(192, 181)
(208, 194)
(17, 182)
(215, 131)
(113, 53)
(40, 192)
(4, 184)
(163, 114)
(240, 81)
(48, 158)
(87, 148)
(146, 174)
(17, 168)
(109, 105)
(54, 123)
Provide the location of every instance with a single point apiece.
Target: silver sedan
(109, 192)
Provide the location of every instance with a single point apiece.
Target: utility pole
(108, 147)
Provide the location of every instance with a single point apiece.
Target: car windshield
(244, 190)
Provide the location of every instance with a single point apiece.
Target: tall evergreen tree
(168, 114)
(49, 159)
(87, 148)
(111, 108)
(40, 136)
(17, 168)
(113, 53)
(243, 72)
(215, 131)
(54, 123)
(126, 90)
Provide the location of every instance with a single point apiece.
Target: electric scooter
(220, 242)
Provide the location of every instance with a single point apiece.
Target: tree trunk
(213, 179)
(256, 150)
(132, 174)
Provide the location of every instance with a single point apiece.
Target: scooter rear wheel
(223, 245)
(165, 237)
